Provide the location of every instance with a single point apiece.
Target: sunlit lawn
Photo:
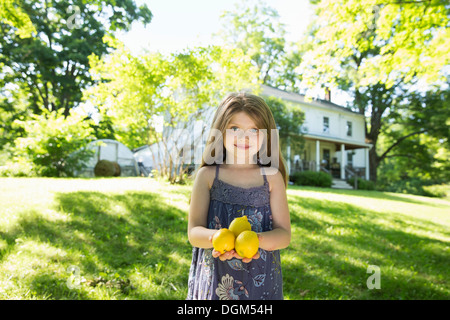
(125, 238)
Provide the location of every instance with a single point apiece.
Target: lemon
(223, 240)
(239, 225)
(247, 244)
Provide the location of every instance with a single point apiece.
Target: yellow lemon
(240, 225)
(223, 240)
(247, 244)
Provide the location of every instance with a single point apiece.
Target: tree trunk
(373, 164)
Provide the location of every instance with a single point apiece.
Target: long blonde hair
(256, 108)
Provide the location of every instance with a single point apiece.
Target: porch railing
(334, 170)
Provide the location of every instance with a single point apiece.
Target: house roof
(300, 98)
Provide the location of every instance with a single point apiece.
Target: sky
(181, 24)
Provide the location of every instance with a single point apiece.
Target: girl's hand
(225, 256)
(247, 260)
(233, 254)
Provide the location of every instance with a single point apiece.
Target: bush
(437, 190)
(105, 168)
(19, 168)
(362, 184)
(417, 186)
(312, 178)
(117, 168)
(54, 145)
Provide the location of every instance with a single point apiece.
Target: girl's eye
(254, 130)
(235, 128)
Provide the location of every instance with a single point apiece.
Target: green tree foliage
(289, 119)
(52, 65)
(419, 136)
(258, 31)
(383, 41)
(13, 15)
(53, 145)
(11, 110)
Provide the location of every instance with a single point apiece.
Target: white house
(335, 138)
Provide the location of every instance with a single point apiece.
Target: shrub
(54, 145)
(362, 184)
(416, 186)
(312, 178)
(117, 168)
(18, 168)
(437, 190)
(106, 168)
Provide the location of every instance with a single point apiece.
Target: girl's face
(242, 139)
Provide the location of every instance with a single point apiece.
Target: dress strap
(217, 171)
(264, 175)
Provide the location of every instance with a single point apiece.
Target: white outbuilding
(112, 150)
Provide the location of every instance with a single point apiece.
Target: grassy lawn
(125, 238)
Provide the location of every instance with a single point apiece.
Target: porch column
(366, 156)
(342, 161)
(317, 155)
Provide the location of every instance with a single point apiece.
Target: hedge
(312, 178)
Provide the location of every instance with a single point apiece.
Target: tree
(385, 40)
(377, 51)
(289, 120)
(52, 66)
(416, 142)
(14, 16)
(258, 32)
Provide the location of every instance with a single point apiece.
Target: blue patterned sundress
(260, 279)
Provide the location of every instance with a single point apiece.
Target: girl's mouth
(242, 146)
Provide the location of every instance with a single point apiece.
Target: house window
(349, 128)
(350, 159)
(326, 125)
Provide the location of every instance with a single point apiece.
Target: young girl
(234, 184)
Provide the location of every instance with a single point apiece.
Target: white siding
(313, 123)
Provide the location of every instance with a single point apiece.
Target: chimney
(327, 94)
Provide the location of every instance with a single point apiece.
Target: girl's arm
(280, 236)
(198, 234)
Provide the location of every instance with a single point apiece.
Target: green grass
(126, 239)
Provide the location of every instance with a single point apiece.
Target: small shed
(112, 150)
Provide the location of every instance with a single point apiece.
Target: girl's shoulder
(206, 175)
(274, 177)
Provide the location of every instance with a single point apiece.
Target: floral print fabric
(212, 279)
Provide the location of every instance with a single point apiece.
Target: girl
(236, 183)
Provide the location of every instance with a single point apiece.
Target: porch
(342, 159)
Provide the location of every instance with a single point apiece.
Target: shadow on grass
(330, 252)
(110, 233)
